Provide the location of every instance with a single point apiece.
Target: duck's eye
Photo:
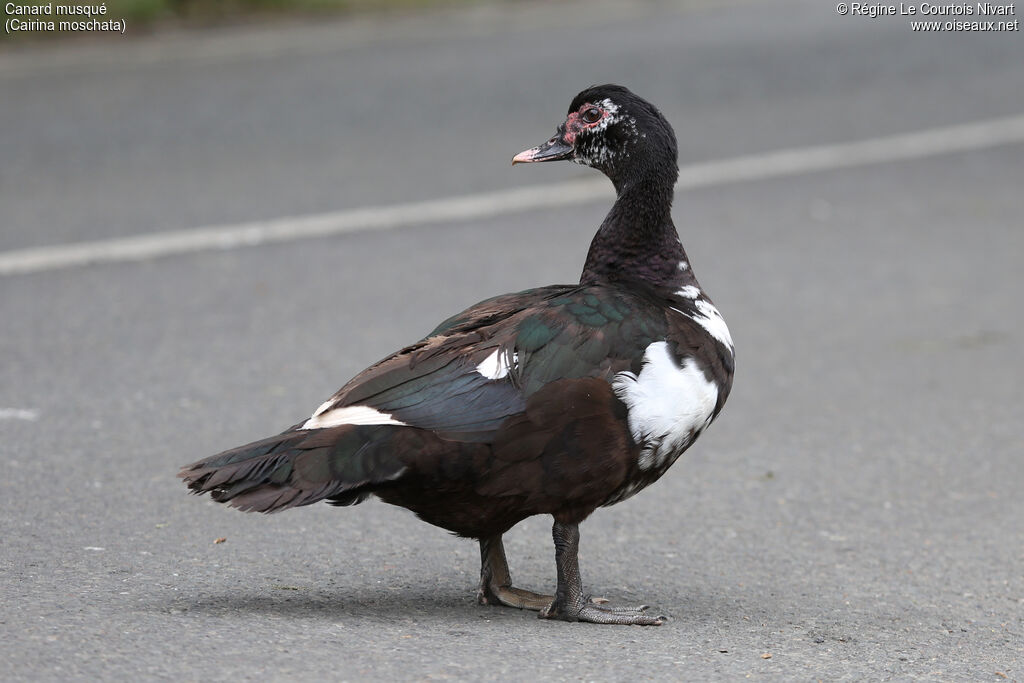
(592, 115)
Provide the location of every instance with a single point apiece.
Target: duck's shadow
(408, 604)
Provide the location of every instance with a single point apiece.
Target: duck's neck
(637, 242)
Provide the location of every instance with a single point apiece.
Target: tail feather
(298, 467)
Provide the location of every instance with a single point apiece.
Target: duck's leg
(496, 582)
(570, 604)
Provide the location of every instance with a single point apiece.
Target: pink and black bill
(554, 149)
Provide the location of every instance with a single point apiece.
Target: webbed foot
(590, 611)
(570, 604)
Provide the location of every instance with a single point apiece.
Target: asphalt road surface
(857, 511)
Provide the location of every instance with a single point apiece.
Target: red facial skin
(574, 123)
(572, 127)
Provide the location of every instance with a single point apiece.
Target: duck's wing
(515, 373)
(480, 367)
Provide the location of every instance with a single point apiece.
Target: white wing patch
(349, 415)
(689, 292)
(712, 321)
(706, 315)
(496, 365)
(668, 405)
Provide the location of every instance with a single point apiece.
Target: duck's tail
(298, 467)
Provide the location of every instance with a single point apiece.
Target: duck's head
(611, 129)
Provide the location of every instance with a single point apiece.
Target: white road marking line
(787, 162)
(26, 414)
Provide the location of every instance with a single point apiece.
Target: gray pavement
(856, 513)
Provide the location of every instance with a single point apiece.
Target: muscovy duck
(555, 400)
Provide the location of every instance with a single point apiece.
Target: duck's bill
(552, 150)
